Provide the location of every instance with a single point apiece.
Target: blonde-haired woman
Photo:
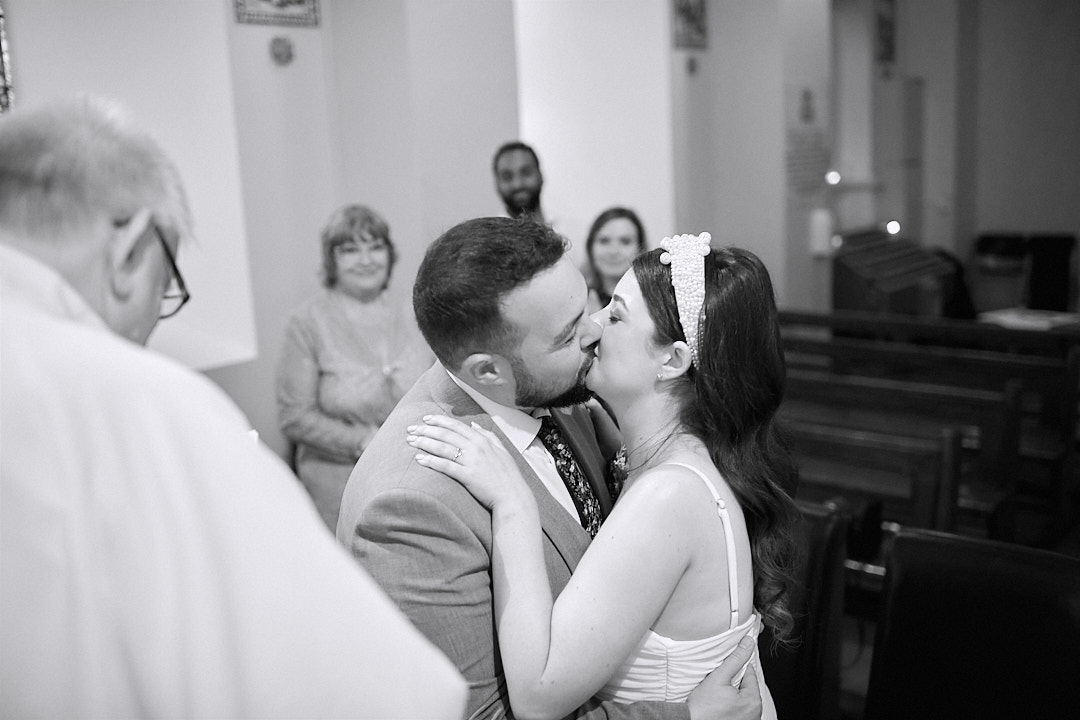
(348, 356)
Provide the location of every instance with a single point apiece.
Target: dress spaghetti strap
(729, 537)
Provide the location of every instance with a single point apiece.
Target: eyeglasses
(173, 299)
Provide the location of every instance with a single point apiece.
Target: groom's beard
(533, 393)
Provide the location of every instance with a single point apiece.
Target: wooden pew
(1047, 365)
(1051, 385)
(917, 479)
(1055, 342)
(987, 420)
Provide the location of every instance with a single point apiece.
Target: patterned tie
(585, 501)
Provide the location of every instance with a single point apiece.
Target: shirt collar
(26, 280)
(519, 427)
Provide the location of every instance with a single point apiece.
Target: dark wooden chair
(976, 629)
(804, 679)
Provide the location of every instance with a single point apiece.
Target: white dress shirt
(156, 560)
(521, 429)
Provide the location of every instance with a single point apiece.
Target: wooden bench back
(937, 331)
(915, 478)
(1051, 384)
(988, 420)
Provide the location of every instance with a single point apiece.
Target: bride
(698, 550)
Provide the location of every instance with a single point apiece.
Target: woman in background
(615, 238)
(349, 355)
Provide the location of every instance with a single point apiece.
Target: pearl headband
(686, 255)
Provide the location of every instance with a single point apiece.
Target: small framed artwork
(688, 24)
(885, 49)
(7, 94)
(298, 13)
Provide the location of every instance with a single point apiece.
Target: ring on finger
(457, 454)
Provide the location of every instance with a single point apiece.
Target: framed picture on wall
(688, 24)
(7, 95)
(885, 45)
(298, 13)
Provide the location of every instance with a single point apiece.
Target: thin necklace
(655, 453)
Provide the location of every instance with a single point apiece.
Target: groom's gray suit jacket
(427, 541)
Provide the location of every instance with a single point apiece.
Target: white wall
(927, 53)
(595, 102)
(1000, 148)
(729, 133)
(164, 60)
(287, 160)
(424, 91)
(396, 104)
(807, 50)
(927, 38)
(853, 133)
(1028, 177)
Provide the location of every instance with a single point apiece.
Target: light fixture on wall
(281, 50)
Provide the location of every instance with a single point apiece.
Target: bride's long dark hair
(729, 399)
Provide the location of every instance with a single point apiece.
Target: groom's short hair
(464, 277)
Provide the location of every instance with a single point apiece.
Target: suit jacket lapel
(563, 531)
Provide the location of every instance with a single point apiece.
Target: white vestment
(156, 560)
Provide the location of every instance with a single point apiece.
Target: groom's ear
(486, 369)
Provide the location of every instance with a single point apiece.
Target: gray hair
(68, 162)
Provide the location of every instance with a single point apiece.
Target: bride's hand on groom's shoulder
(716, 699)
(474, 457)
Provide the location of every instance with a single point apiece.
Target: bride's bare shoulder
(667, 486)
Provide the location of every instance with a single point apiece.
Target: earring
(659, 375)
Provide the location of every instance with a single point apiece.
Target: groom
(503, 309)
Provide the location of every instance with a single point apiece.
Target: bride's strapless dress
(661, 668)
